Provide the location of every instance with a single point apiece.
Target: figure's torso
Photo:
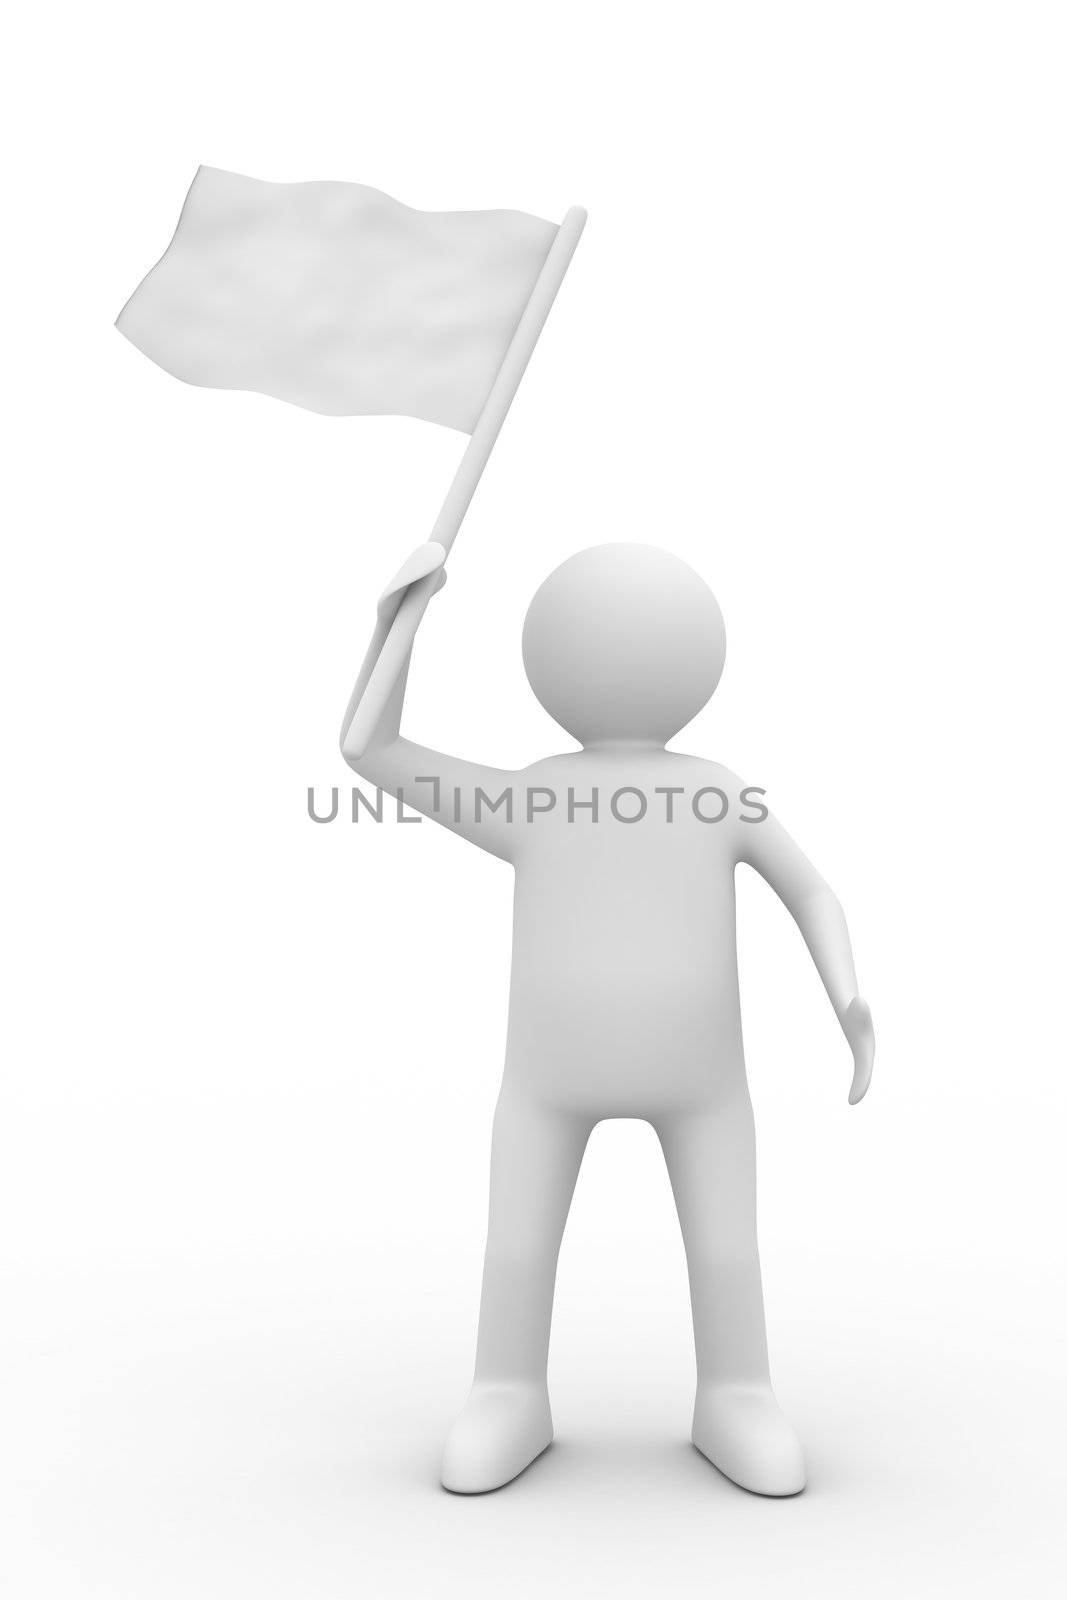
(624, 954)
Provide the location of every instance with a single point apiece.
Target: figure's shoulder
(701, 770)
(548, 768)
(716, 792)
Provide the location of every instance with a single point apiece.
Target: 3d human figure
(624, 993)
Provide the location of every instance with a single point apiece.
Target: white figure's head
(623, 642)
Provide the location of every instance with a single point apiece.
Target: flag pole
(383, 666)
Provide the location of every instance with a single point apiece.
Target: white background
(814, 341)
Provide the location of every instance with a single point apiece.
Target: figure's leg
(711, 1158)
(506, 1422)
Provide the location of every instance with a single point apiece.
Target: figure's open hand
(423, 560)
(859, 1031)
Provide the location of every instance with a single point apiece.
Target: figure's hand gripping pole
(389, 649)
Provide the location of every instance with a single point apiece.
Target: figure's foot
(742, 1432)
(501, 1429)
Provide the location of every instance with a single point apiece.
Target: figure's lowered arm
(817, 912)
(441, 786)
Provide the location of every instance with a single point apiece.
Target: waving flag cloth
(334, 297)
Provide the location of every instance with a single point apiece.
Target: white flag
(335, 297)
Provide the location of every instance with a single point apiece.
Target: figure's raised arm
(816, 910)
(462, 795)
